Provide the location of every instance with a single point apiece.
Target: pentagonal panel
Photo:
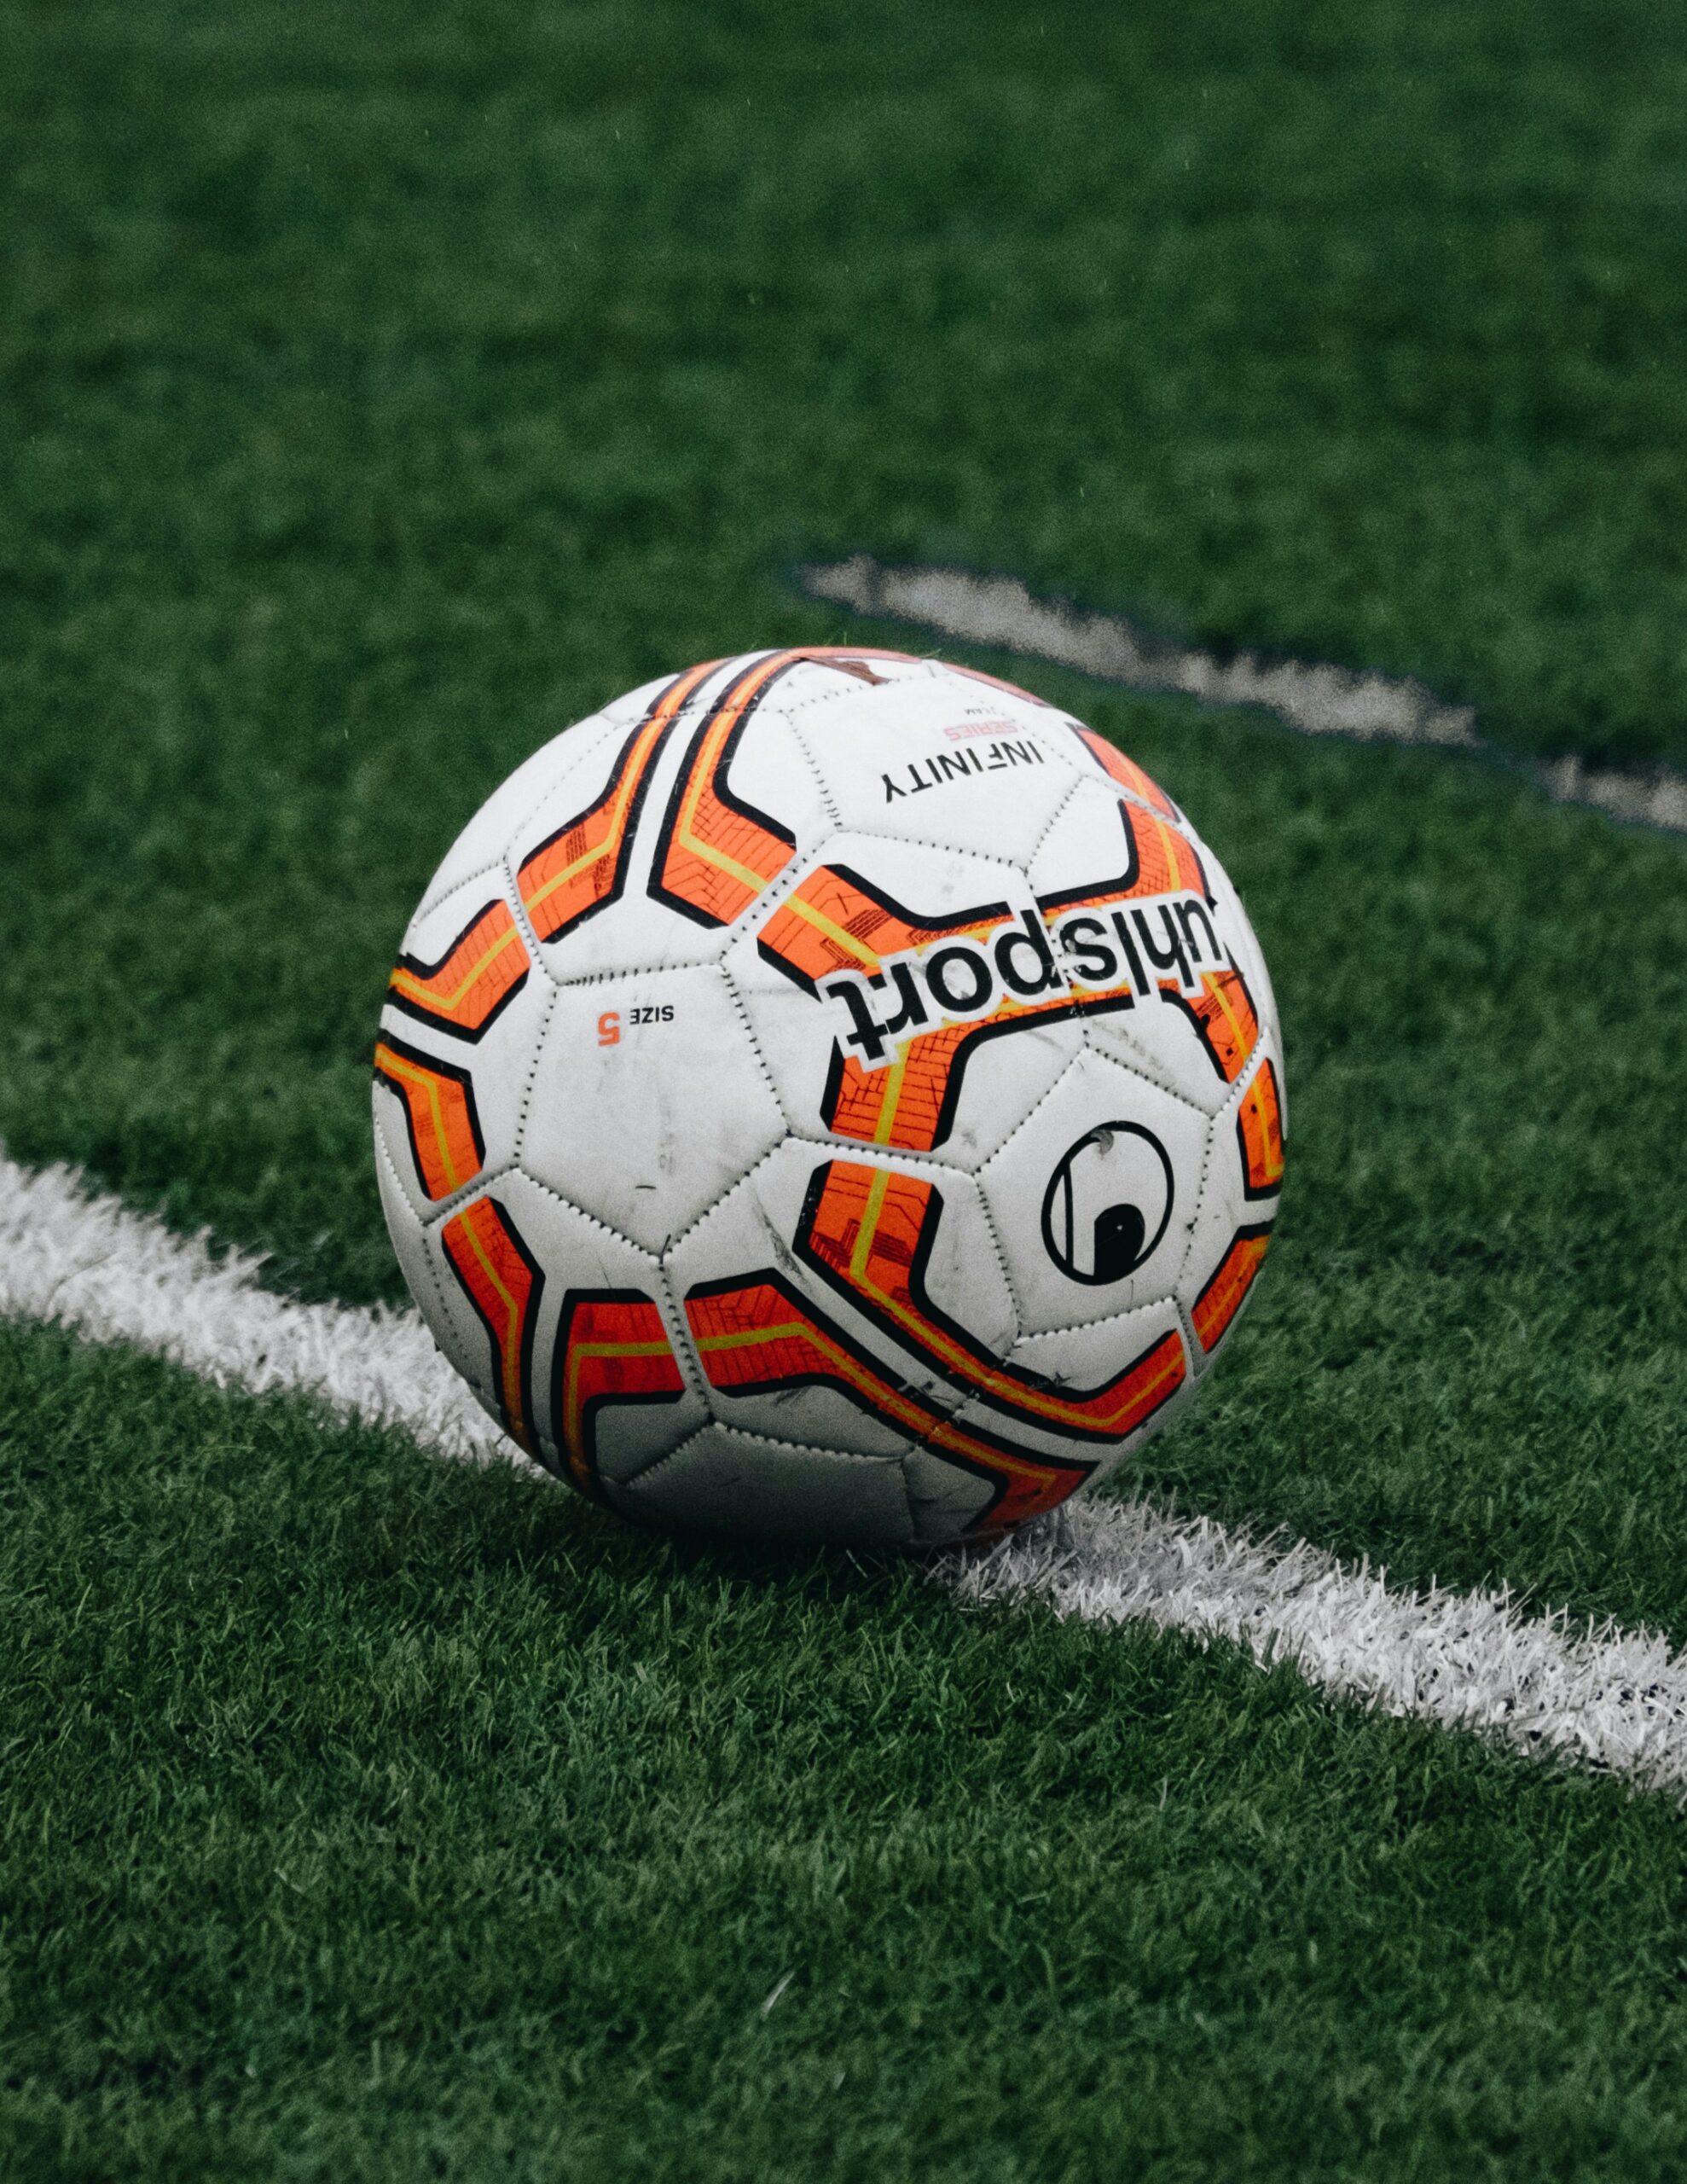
(463, 1017)
(907, 996)
(1092, 1200)
(735, 1483)
(647, 1100)
(943, 758)
(1237, 1209)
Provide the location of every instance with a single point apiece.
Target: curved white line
(1616, 1699)
(1313, 697)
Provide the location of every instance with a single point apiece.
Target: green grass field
(384, 388)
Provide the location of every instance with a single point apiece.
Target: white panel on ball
(1093, 1199)
(941, 759)
(648, 1100)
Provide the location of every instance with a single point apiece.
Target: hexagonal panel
(647, 1100)
(1093, 1200)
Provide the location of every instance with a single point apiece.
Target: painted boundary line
(88, 1264)
(1315, 699)
(1614, 1699)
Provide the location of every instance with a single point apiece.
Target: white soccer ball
(830, 1095)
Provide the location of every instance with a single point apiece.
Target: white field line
(1614, 1699)
(1316, 699)
(87, 1263)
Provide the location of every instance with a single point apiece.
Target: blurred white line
(1316, 699)
(1612, 1699)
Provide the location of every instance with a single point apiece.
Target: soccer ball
(830, 1095)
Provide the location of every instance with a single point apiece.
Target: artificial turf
(382, 390)
(371, 1818)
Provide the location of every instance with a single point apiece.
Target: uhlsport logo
(1131, 953)
(913, 994)
(1108, 1203)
